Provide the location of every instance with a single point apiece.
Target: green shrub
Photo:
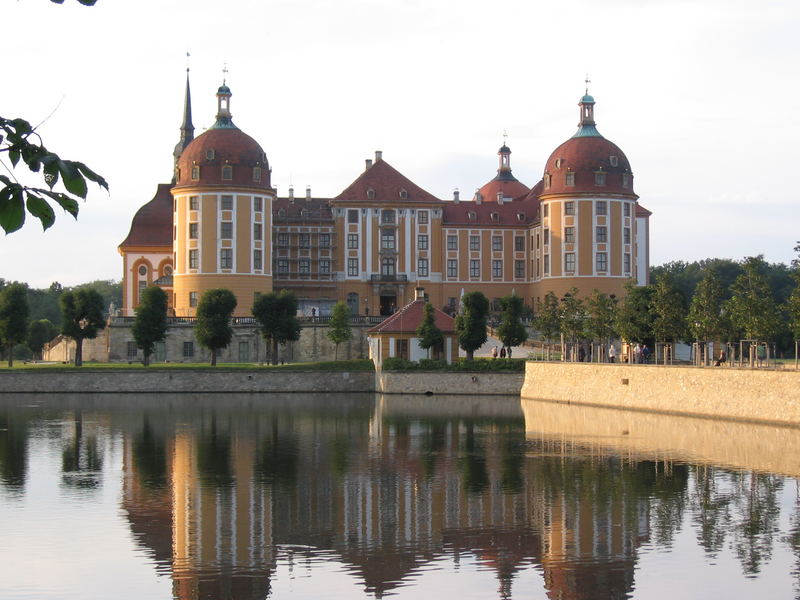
(393, 363)
(513, 365)
(430, 364)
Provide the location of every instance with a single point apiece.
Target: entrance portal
(388, 305)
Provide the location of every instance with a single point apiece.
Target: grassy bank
(333, 365)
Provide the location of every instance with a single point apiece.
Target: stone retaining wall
(758, 395)
(437, 382)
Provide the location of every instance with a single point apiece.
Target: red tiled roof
(152, 224)
(408, 318)
(316, 208)
(641, 211)
(387, 183)
(511, 188)
(458, 213)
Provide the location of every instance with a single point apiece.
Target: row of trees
(747, 308)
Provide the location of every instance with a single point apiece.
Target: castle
(220, 223)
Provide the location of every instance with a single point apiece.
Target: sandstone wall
(436, 382)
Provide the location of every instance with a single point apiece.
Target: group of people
(504, 352)
(638, 354)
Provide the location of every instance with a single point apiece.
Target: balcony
(394, 278)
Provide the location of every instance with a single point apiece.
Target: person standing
(612, 352)
(494, 352)
(503, 352)
(637, 354)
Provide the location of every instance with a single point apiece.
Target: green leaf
(68, 204)
(12, 211)
(40, 209)
(13, 156)
(72, 179)
(91, 175)
(50, 163)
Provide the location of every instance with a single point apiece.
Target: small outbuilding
(397, 335)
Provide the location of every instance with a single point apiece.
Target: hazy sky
(702, 97)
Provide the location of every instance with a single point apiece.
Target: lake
(294, 496)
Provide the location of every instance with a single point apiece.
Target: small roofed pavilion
(397, 335)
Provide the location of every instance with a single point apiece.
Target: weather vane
(224, 72)
(505, 137)
(587, 81)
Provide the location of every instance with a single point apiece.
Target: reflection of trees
(214, 454)
(666, 482)
(276, 462)
(149, 455)
(756, 519)
(792, 539)
(473, 462)
(13, 450)
(711, 509)
(81, 459)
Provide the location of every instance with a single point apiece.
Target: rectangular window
(422, 217)
(519, 268)
(192, 231)
(474, 242)
(226, 203)
(256, 173)
(519, 243)
(546, 264)
(570, 178)
(142, 287)
(257, 260)
(569, 262)
(188, 349)
(192, 298)
(625, 180)
(601, 261)
(546, 210)
(257, 231)
(422, 267)
(601, 207)
(132, 350)
(283, 239)
(422, 242)
(227, 173)
(627, 209)
(474, 268)
(226, 230)
(599, 178)
(257, 204)
(452, 267)
(387, 266)
(305, 240)
(387, 216)
(497, 242)
(569, 235)
(497, 268)
(324, 240)
(195, 172)
(324, 267)
(352, 241)
(305, 266)
(194, 203)
(387, 239)
(627, 262)
(546, 237)
(601, 234)
(283, 266)
(352, 267)
(626, 233)
(226, 258)
(352, 215)
(193, 259)
(452, 242)
(569, 207)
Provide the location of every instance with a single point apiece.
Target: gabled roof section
(520, 213)
(381, 182)
(152, 223)
(408, 318)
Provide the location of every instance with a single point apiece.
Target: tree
(752, 306)
(81, 318)
(573, 316)
(339, 326)
(601, 317)
(213, 325)
(634, 317)
(471, 322)
(150, 325)
(705, 319)
(669, 310)
(547, 321)
(511, 331)
(430, 336)
(15, 198)
(277, 317)
(39, 333)
(793, 302)
(13, 317)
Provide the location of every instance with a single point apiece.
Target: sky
(700, 95)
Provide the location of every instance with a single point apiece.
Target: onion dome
(504, 182)
(224, 154)
(588, 163)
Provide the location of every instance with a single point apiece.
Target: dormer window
(472, 216)
(256, 173)
(195, 172)
(403, 195)
(626, 181)
(227, 173)
(613, 161)
(370, 194)
(547, 181)
(570, 179)
(281, 213)
(210, 154)
(600, 178)
(521, 217)
(495, 216)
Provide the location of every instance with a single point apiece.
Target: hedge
(514, 365)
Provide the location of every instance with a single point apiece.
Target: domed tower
(504, 186)
(222, 215)
(588, 213)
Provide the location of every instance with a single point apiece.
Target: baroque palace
(220, 223)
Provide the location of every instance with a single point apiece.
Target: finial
(505, 137)
(187, 61)
(587, 81)
(224, 72)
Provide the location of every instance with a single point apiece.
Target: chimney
(291, 194)
(308, 192)
(419, 294)
(478, 197)
(369, 163)
(378, 155)
(500, 198)
(455, 196)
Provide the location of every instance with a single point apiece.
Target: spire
(187, 129)
(586, 126)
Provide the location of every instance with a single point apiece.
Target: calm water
(246, 497)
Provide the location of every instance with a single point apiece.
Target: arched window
(370, 194)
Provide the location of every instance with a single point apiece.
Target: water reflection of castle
(215, 497)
